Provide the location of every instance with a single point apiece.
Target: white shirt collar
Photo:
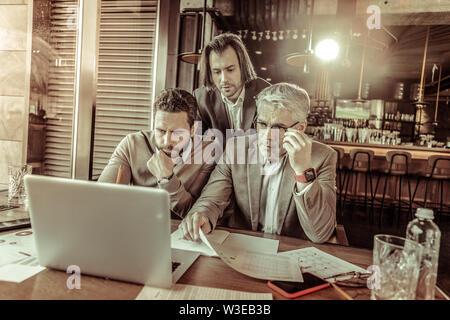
(269, 167)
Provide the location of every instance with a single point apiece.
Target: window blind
(61, 79)
(124, 83)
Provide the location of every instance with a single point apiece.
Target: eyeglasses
(350, 279)
(263, 126)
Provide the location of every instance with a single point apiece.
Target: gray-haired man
(286, 186)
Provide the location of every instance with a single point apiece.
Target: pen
(119, 175)
(341, 292)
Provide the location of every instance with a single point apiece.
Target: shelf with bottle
(399, 117)
(399, 121)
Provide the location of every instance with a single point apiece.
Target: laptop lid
(108, 230)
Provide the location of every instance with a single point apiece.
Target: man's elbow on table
(322, 235)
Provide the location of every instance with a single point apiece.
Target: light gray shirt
(270, 187)
(234, 110)
(270, 190)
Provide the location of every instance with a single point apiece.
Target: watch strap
(165, 180)
(303, 176)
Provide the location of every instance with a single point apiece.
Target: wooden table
(206, 271)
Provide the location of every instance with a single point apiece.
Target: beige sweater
(133, 153)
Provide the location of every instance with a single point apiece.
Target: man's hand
(191, 224)
(160, 165)
(298, 147)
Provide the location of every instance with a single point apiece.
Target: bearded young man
(166, 157)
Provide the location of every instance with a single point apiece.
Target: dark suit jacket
(212, 110)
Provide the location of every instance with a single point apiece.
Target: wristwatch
(307, 176)
(165, 180)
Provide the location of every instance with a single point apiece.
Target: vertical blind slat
(63, 18)
(126, 46)
(126, 58)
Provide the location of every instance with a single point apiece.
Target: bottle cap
(424, 213)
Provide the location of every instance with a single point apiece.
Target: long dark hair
(218, 45)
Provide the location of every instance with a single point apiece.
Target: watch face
(309, 175)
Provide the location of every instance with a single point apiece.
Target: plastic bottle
(426, 232)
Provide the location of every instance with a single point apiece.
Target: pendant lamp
(421, 103)
(304, 59)
(361, 72)
(194, 57)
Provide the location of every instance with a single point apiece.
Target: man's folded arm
(316, 203)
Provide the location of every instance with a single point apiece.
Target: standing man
(229, 85)
(165, 157)
(287, 185)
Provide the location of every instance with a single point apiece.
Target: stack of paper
(217, 236)
(187, 292)
(250, 243)
(257, 264)
(322, 264)
(253, 256)
(18, 259)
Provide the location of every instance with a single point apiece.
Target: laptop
(107, 230)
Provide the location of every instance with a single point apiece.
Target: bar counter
(419, 167)
(417, 152)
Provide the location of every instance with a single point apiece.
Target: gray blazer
(311, 215)
(133, 152)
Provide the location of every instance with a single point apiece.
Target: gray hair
(288, 96)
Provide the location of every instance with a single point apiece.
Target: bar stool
(362, 160)
(339, 183)
(397, 166)
(438, 169)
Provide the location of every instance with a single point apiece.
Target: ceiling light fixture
(327, 49)
(194, 57)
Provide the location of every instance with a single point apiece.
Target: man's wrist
(301, 185)
(165, 179)
(306, 176)
(300, 170)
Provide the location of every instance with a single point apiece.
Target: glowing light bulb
(327, 49)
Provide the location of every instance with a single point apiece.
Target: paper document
(250, 243)
(322, 264)
(18, 258)
(177, 242)
(256, 264)
(187, 292)
(18, 273)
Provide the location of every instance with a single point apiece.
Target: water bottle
(426, 232)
